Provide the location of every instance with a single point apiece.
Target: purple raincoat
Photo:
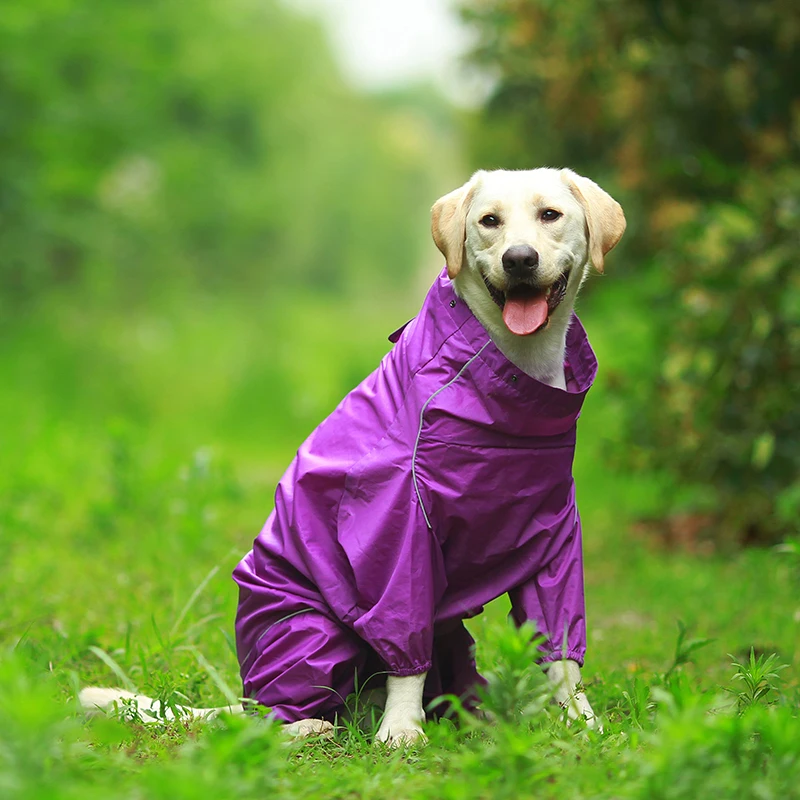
(439, 483)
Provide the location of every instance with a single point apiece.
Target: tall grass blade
(127, 683)
(213, 673)
(192, 600)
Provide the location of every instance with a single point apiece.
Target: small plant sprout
(638, 701)
(760, 677)
(685, 648)
(513, 689)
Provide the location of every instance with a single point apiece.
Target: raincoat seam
(421, 423)
(503, 447)
(413, 374)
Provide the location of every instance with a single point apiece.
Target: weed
(685, 648)
(638, 702)
(760, 676)
(515, 690)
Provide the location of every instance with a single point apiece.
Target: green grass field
(138, 459)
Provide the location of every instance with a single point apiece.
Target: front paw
(403, 716)
(565, 677)
(401, 732)
(578, 707)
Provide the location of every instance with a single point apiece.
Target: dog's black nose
(520, 261)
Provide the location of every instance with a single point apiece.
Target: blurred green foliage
(148, 146)
(689, 113)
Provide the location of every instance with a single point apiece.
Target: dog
(440, 482)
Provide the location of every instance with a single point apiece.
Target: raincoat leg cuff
(561, 655)
(406, 671)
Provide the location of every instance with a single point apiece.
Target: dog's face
(528, 236)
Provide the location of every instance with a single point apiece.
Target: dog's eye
(489, 221)
(550, 215)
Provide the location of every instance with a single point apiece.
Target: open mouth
(527, 309)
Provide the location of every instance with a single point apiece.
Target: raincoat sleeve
(396, 562)
(553, 599)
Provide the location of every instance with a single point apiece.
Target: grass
(138, 461)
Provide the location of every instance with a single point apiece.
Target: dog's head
(529, 237)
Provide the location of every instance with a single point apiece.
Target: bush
(726, 412)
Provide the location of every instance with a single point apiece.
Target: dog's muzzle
(527, 308)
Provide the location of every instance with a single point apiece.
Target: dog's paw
(407, 737)
(594, 724)
(578, 707)
(397, 736)
(565, 677)
(401, 728)
(304, 728)
(403, 714)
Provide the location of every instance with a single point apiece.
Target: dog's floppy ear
(449, 224)
(604, 216)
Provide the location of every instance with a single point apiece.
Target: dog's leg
(403, 715)
(95, 700)
(565, 677)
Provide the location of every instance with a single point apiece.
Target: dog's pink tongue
(525, 313)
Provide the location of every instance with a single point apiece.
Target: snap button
(452, 304)
(513, 378)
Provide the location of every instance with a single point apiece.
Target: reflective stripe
(419, 431)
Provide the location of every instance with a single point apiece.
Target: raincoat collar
(447, 315)
(580, 361)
